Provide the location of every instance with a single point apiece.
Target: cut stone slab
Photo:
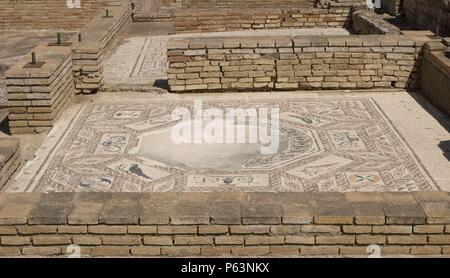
(51, 210)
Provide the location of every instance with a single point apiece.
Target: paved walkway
(329, 141)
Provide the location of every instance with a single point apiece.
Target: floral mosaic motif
(325, 145)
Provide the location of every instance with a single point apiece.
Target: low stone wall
(340, 3)
(301, 62)
(436, 75)
(225, 224)
(217, 20)
(36, 95)
(368, 23)
(199, 4)
(10, 159)
(97, 37)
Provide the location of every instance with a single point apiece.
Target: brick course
(301, 62)
(260, 239)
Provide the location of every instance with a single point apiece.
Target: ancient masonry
(9, 158)
(225, 224)
(38, 92)
(380, 55)
(293, 63)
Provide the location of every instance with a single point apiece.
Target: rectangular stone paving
(328, 142)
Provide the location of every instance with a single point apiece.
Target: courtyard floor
(329, 141)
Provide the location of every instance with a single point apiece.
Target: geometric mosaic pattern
(138, 61)
(326, 145)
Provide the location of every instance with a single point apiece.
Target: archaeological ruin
(224, 128)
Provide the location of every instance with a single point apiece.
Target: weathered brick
(264, 240)
(428, 229)
(41, 251)
(342, 239)
(158, 240)
(107, 230)
(215, 251)
(10, 251)
(145, 251)
(87, 240)
(72, 229)
(250, 229)
(284, 250)
(229, 240)
(212, 230)
(407, 239)
(321, 229)
(395, 250)
(110, 251)
(319, 250)
(348, 229)
(370, 239)
(121, 240)
(439, 239)
(177, 230)
(250, 251)
(193, 240)
(426, 250)
(353, 250)
(52, 240)
(15, 240)
(285, 229)
(37, 229)
(8, 230)
(142, 230)
(180, 251)
(299, 239)
(392, 229)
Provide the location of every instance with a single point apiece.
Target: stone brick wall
(47, 14)
(225, 224)
(216, 20)
(436, 75)
(325, 4)
(428, 14)
(37, 95)
(302, 62)
(97, 38)
(201, 4)
(366, 22)
(10, 159)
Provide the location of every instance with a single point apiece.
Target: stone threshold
(227, 224)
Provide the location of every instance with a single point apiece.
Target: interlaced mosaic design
(326, 145)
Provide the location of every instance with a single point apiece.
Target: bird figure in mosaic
(134, 169)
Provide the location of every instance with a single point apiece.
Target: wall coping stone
(201, 208)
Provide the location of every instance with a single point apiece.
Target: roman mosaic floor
(362, 141)
(140, 61)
